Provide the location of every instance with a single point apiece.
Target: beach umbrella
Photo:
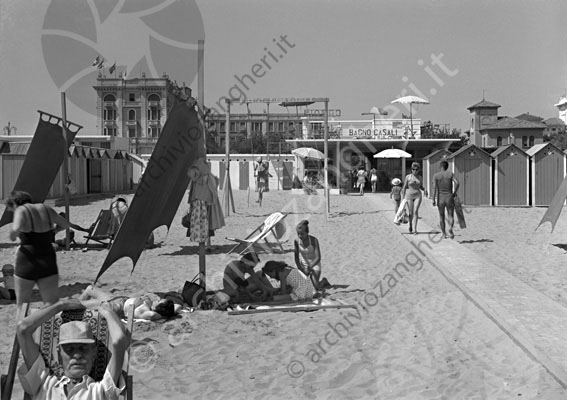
(392, 153)
(308, 152)
(410, 100)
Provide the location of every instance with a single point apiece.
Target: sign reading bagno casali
(381, 128)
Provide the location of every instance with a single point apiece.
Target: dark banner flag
(162, 186)
(554, 209)
(43, 159)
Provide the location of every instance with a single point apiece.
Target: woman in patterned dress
(294, 285)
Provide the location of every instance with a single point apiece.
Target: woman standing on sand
(411, 191)
(36, 261)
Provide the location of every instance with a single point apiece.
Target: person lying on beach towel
(241, 282)
(144, 307)
(294, 285)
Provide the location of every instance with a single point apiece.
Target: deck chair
(48, 334)
(272, 225)
(101, 230)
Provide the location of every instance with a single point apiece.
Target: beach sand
(413, 335)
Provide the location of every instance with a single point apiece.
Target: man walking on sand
(445, 189)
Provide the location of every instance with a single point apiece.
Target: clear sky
(360, 54)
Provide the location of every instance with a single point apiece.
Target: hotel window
(532, 141)
(131, 115)
(153, 114)
(153, 97)
(131, 96)
(256, 127)
(499, 141)
(153, 132)
(109, 114)
(131, 132)
(242, 125)
(109, 132)
(222, 126)
(271, 126)
(233, 126)
(280, 126)
(524, 141)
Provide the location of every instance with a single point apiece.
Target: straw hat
(396, 182)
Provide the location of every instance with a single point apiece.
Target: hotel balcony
(154, 122)
(110, 122)
(110, 104)
(154, 104)
(132, 123)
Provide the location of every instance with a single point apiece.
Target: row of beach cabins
(506, 176)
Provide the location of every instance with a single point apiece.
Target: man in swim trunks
(445, 189)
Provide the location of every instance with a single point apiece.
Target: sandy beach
(413, 335)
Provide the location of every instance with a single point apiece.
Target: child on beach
(396, 193)
(7, 292)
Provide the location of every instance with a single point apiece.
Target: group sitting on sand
(243, 283)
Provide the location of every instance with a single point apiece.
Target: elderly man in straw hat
(76, 353)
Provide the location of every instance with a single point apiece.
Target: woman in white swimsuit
(307, 252)
(411, 191)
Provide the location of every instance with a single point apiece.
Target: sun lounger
(272, 225)
(101, 230)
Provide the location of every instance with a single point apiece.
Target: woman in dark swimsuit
(36, 262)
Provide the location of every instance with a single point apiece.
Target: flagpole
(66, 169)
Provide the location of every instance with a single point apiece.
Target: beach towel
(460, 212)
(401, 213)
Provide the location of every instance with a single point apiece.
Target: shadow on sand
(476, 241)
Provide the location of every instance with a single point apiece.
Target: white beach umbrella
(410, 100)
(308, 152)
(392, 153)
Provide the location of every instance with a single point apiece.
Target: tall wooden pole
(227, 189)
(66, 170)
(201, 109)
(326, 162)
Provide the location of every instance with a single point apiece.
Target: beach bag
(186, 219)
(192, 292)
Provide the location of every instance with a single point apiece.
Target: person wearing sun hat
(77, 351)
(395, 194)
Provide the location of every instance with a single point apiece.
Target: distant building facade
(136, 108)
(490, 130)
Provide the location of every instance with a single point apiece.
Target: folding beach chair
(48, 336)
(101, 230)
(272, 225)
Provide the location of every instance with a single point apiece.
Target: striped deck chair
(101, 230)
(273, 225)
(47, 338)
